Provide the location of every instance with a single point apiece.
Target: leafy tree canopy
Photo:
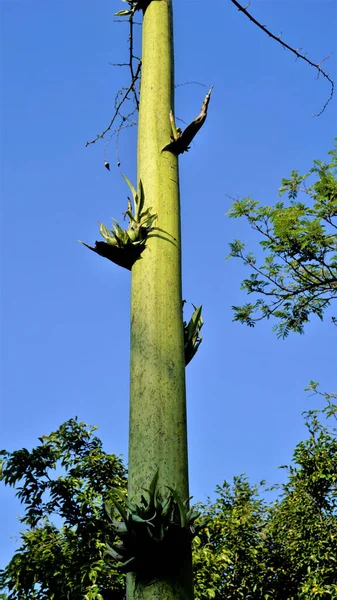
(298, 277)
(250, 549)
(286, 549)
(63, 484)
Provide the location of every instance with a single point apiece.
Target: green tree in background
(68, 483)
(63, 484)
(283, 550)
(250, 549)
(298, 277)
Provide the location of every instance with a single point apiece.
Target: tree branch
(302, 56)
(129, 89)
(131, 57)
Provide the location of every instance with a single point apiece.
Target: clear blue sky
(65, 311)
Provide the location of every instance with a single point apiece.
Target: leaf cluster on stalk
(124, 246)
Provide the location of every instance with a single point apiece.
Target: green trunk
(158, 438)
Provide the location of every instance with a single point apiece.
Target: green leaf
(139, 519)
(153, 486)
(140, 204)
(181, 507)
(132, 189)
(118, 500)
(104, 231)
(113, 553)
(123, 13)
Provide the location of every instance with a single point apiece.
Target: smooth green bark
(158, 438)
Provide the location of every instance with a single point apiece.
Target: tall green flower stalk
(155, 526)
(158, 437)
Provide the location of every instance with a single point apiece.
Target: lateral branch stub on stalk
(192, 337)
(124, 246)
(181, 140)
(154, 533)
(134, 5)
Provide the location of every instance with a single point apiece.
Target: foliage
(229, 554)
(62, 484)
(124, 246)
(299, 275)
(154, 533)
(141, 222)
(250, 548)
(287, 549)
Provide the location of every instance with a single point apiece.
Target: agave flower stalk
(158, 438)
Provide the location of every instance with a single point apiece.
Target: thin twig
(294, 50)
(129, 89)
(131, 124)
(131, 57)
(124, 21)
(116, 132)
(190, 83)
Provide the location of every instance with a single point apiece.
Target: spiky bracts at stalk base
(154, 533)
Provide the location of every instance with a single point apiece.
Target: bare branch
(116, 113)
(131, 57)
(116, 132)
(294, 50)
